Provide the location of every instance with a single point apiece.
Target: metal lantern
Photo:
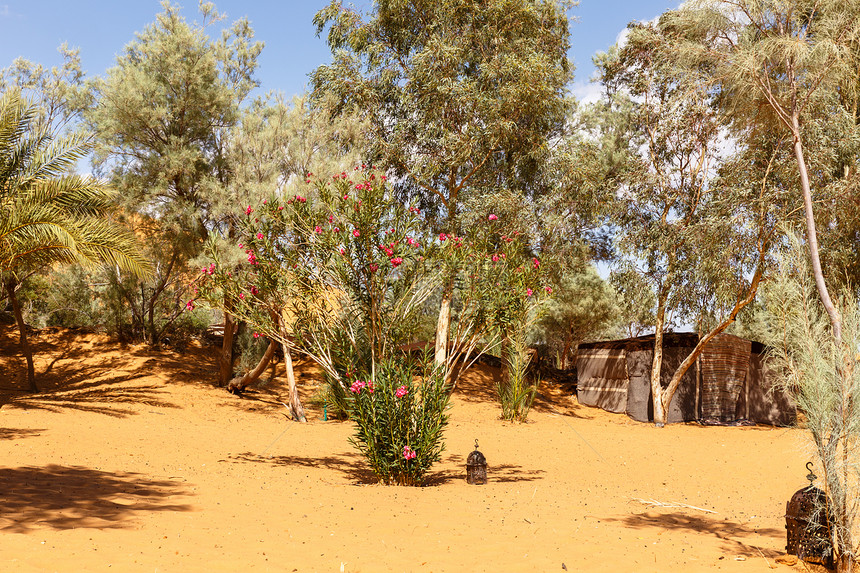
(806, 524)
(476, 467)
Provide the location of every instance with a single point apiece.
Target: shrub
(399, 420)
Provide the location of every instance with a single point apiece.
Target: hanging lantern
(476, 467)
(806, 524)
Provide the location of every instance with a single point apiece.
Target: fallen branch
(656, 503)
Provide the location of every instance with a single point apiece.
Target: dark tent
(728, 382)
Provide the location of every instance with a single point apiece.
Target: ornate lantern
(806, 524)
(476, 467)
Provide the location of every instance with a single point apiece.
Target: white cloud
(586, 92)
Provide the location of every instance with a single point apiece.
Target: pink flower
(257, 335)
(300, 199)
(370, 386)
(241, 245)
(529, 292)
(495, 258)
(331, 218)
(280, 208)
(318, 230)
(374, 267)
(356, 386)
(535, 263)
(408, 453)
(259, 235)
(248, 211)
(396, 261)
(442, 236)
(548, 289)
(337, 229)
(492, 217)
(400, 392)
(189, 305)
(242, 296)
(265, 201)
(356, 233)
(342, 251)
(254, 290)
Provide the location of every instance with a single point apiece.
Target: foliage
(824, 379)
(584, 307)
(399, 416)
(162, 124)
(673, 207)
(462, 105)
(47, 215)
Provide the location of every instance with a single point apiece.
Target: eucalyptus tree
(162, 121)
(696, 239)
(790, 66)
(460, 97)
(47, 214)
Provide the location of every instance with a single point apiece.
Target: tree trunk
(443, 326)
(225, 359)
(660, 408)
(812, 235)
(296, 409)
(238, 385)
(565, 353)
(22, 329)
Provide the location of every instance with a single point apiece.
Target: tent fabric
(725, 363)
(729, 382)
(605, 381)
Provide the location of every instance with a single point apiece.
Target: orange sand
(130, 460)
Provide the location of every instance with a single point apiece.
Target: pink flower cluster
(356, 233)
(536, 263)
(189, 305)
(401, 392)
(252, 258)
(493, 217)
(318, 230)
(396, 262)
(301, 199)
(249, 210)
(409, 453)
(359, 385)
(257, 335)
(210, 270)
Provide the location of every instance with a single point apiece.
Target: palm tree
(48, 215)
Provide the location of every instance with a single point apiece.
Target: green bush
(399, 419)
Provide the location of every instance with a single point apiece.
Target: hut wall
(602, 378)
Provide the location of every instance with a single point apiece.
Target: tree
(47, 215)
(673, 207)
(583, 307)
(781, 65)
(459, 96)
(163, 119)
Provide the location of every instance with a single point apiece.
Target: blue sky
(33, 29)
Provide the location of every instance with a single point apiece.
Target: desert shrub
(399, 416)
(823, 376)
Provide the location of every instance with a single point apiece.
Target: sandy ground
(130, 460)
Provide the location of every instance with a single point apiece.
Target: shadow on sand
(67, 497)
(352, 467)
(730, 533)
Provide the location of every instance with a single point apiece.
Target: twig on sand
(765, 558)
(671, 504)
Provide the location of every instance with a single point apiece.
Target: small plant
(399, 420)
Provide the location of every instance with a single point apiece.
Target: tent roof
(646, 342)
